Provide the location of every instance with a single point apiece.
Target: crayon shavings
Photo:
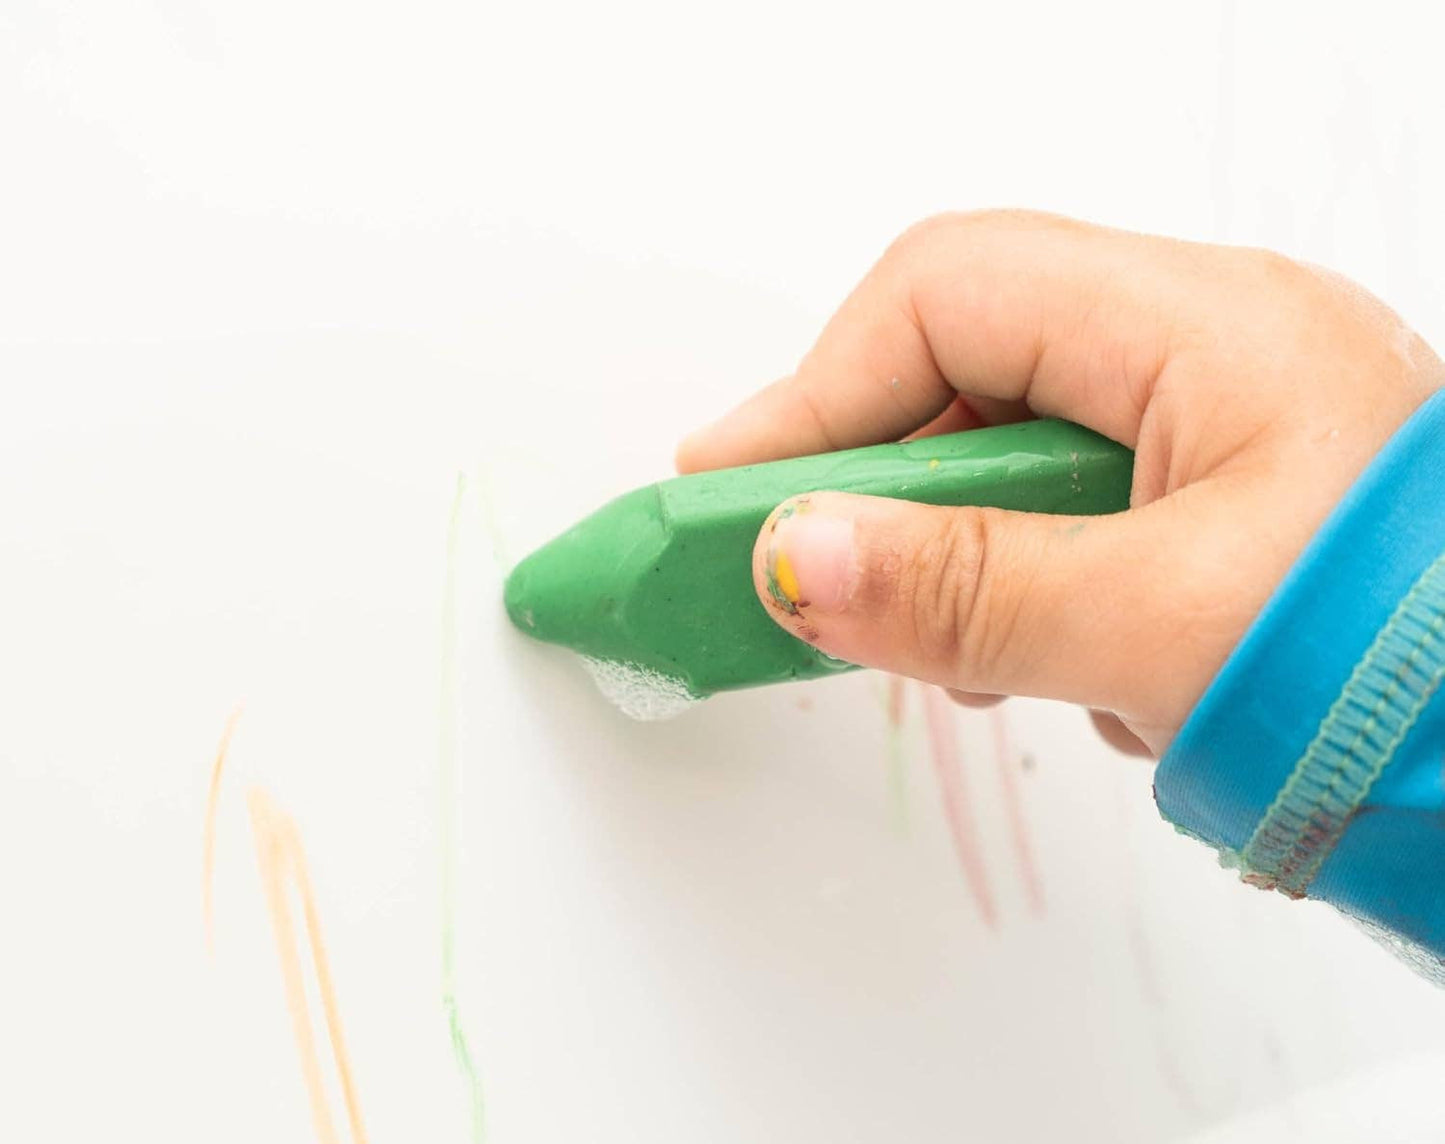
(639, 692)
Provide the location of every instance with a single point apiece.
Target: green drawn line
(447, 765)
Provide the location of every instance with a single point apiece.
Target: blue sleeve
(1315, 762)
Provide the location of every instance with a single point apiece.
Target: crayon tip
(576, 589)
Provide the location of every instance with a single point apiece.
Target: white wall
(272, 274)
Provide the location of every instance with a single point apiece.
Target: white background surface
(272, 274)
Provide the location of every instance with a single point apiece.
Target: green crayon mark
(447, 766)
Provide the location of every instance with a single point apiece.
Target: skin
(1253, 388)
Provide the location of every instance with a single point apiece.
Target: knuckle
(1278, 275)
(948, 226)
(815, 413)
(1287, 284)
(926, 229)
(922, 236)
(946, 587)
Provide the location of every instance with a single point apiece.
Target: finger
(974, 699)
(957, 416)
(972, 413)
(979, 600)
(1074, 319)
(1112, 730)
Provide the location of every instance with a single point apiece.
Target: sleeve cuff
(1313, 762)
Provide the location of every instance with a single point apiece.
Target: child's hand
(1254, 390)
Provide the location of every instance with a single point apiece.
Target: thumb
(977, 599)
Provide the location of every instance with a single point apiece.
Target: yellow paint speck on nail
(933, 464)
(786, 578)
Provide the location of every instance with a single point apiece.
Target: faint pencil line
(948, 764)
(1014, 809)
(208, 833)
(279, 855)
(447, 786)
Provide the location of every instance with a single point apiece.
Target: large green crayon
(660, 580)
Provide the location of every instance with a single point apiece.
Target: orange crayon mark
(282, 860)
(208, 845)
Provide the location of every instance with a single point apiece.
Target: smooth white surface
(1390, 1104)
(272, 274)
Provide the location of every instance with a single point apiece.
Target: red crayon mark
(1176, 1077)
(1162, 1025)
(897, 772)
(947, 762)
(1014, 807)
(897, 693)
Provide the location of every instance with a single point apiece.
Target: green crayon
(659, 582)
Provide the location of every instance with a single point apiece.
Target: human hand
(1253, 389)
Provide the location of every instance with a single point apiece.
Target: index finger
(999, 307)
